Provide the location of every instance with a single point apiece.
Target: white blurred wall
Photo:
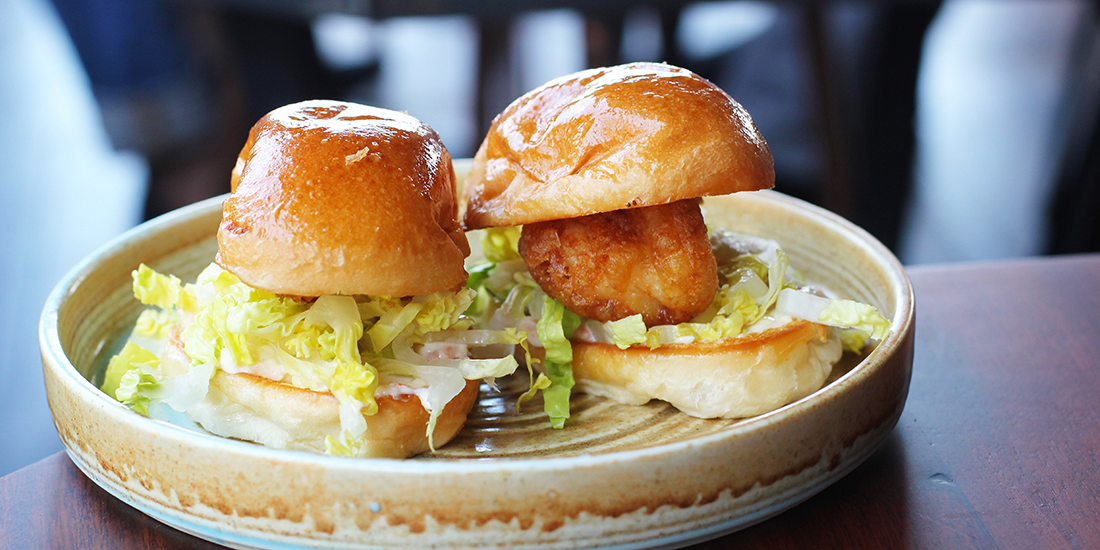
(63, 192)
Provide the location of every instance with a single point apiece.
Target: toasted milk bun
(641, 134)
(339, 198)
(734, 377)
(281, 416)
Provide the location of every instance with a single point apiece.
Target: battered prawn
(654, 260)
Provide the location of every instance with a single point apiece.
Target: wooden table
(998, 447)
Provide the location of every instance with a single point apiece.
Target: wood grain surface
(998, 447)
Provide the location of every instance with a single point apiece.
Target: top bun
(642, 134)
(339, 198)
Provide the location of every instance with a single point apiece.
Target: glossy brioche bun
(605, 139)
(338, 198)
(735, 377)
(281, 416)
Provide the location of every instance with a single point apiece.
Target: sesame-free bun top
(605, 139)
(339, 198)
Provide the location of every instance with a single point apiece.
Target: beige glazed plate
(622, 476)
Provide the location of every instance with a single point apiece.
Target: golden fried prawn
(654, 260)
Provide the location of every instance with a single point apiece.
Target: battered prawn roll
(614, 272)
(332, 319)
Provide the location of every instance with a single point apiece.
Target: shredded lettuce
(131, 357)
(154, 289)
(501, 244)
(443, 384)
(777, 272)
(134, 378)
(347, 445)
(860, 321)
(857, 315)
(155, 323)
(625, 332)
(331, 344)
(442, 310)
(539, 384)
(555, 327)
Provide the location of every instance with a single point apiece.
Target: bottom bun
(253, 408)
(734, 377)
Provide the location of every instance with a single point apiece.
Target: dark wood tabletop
(998, 446)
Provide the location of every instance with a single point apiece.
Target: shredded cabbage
(625, 332)
(539, 384)
(134, 378)
(155, 323)
(860, 321)
(848, 313)
(154, 289)
(332, 344)
(131, 357)
(501, 244)
(555, 327)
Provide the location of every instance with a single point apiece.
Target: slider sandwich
(332, 318)
(616, 275)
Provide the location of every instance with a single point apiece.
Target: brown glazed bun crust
(281, 416)
(605, 139)
(340, 198)
(734, 377)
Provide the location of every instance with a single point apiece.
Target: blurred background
(955, 130)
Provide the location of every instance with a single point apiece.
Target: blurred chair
(1075, 210)
(993, 126)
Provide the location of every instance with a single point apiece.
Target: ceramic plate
(617, 475)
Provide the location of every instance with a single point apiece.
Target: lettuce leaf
(353, 382)
(131, 357)
(478, 274)
(391, 324)
(853, 339)
(442, 309)
(537, 385)
(555, 327)
(556, 397)
(860, 320)
(501, 244)
(777, 273)
(155, 323)
(857, 315)
(443, 384)
(554, 330)
(135, 379)
(154, 289)
(347, 445)
(628, 331)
